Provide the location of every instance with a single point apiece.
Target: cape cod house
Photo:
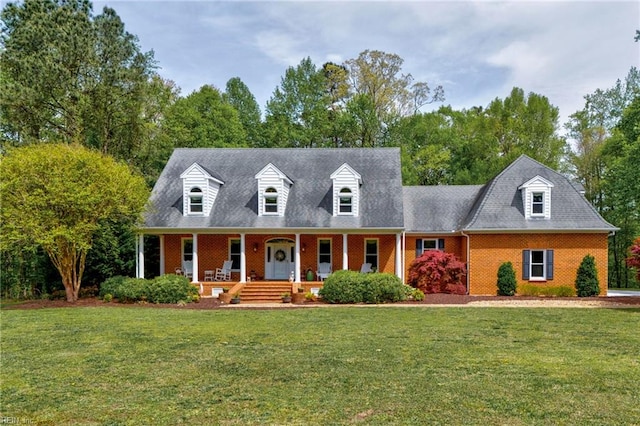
(295, 215)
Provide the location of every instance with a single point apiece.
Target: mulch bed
(430, 299)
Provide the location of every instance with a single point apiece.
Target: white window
(371, 253)
(537, 204)
(537, 265)
(271, 201)
(324, 251)
(429, 244)
(187, 249)
(234, 253)
(536, 198)
(346, 201)
(195, 200)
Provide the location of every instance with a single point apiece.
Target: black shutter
(526, 260)
(441, 244)
(549, 264)
(418, 247)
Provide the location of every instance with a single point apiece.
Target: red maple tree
(438, 272)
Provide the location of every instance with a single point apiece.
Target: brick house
(284, 214)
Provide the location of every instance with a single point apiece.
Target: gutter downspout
(404, 252)
(468, 258)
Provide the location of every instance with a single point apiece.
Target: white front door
(279, 261)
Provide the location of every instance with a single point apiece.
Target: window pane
(537, 256)
(324, 251)
(371, 253)
(196, 204)
(537, 271)
(187, 250)
(234, 253)
(537, 197)
(429, 244)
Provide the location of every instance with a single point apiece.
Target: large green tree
(203, 119)
(297, 115)
(238, 95)
(377, 77)
(66, 75)
(604, 159)
(55, 196)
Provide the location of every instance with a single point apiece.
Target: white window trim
(543, 203)
(434, 240)
(544, 265)
(377, 240)
(230, 240)
(330, 249)
(191, 204)
(348, 195)
(266, 195)
(183, 240)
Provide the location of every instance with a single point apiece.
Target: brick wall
(213, 250)
(489, 251)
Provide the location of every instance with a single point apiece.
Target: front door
(279, 261)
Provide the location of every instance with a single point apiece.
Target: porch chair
(365, 268)
(208, 275)
(224, 273)
(187, 269)
(324, 269)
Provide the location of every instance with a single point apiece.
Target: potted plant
(235, 299)
(286, 297)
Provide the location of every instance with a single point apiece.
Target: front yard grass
(338, 365)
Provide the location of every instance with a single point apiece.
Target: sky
(477, 50)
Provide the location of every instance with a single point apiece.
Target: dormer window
(273, 187)
(271, 201)
(200, 189)
(195, 200)
(536, 198)
(346, 191)
(346, 201)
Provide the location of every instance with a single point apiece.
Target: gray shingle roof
(309, 203)
(499, 206)
(437, 209)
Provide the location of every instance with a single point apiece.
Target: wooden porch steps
(264, 291)
(257, 291)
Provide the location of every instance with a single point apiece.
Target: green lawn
(377, 365)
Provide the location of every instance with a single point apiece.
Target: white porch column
(140, 257)
(345, 252)
(296, 263)
(195, 259)
(399, 255)
(162, 264)
(243, 259)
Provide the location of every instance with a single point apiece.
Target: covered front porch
(289, 257)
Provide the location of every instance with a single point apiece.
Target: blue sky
(476, 50)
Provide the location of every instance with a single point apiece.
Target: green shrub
(506, 280)
(111, 285)
(417, 295)
(165, 289)
(170, 289)
(587, 278)
(107, 297)
(354, 287)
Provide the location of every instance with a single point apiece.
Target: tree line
(70, 75)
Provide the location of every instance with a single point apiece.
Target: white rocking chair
(324, 269)
(224, 273)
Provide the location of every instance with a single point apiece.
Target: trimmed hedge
(164, 289)
(355, 287)
(533, 290)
